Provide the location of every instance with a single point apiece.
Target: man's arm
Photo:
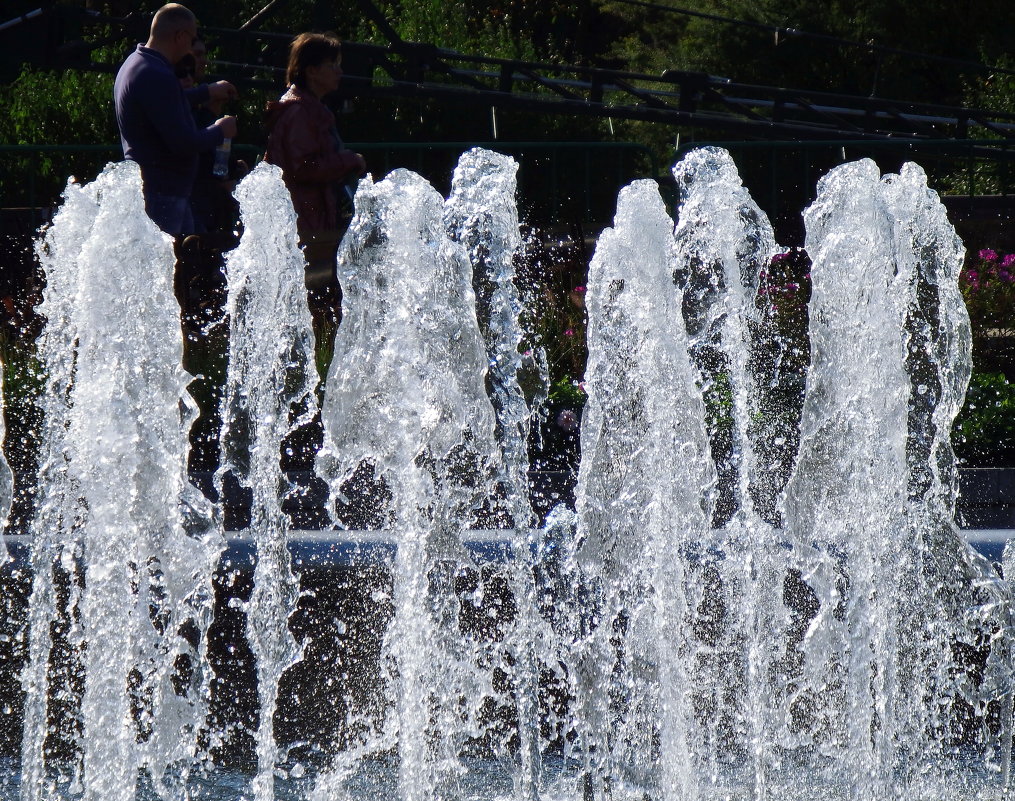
(161, 102)
(217, 92)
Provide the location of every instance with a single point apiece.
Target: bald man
(157, 127)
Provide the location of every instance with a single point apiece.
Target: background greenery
(45, 106)
(841, 55)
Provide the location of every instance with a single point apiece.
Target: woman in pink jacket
(316, 167)
(303, 139)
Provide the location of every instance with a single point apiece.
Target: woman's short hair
(310, 50)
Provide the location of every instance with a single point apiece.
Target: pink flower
(988, 254)
(569, 332)
(1008, 260)
(578, 289)
(972, 275)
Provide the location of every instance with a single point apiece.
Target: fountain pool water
(710, 622)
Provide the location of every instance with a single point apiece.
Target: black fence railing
(567, 181)
(782, 176)
(790, 164)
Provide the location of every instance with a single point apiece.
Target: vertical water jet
(847, 494)
(481, 215)
(52, 528)
(406, 396)
(6, 476)
(270, 391)
(724, 243)
(119, 422)
(688, 675)
(643, 487)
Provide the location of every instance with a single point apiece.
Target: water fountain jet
(712, 633)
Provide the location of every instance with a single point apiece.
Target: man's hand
(227, 125)
(221, 91)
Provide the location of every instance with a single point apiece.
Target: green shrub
(984, 431)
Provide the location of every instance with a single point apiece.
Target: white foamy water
(269, 391)
(694, 631)
(406, 395)
(118, 415)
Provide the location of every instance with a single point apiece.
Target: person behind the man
(211, 201)
(156, 124)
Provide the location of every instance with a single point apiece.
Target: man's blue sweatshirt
(156, 123)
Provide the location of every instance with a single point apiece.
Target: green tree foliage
(984, 432)
(523, 29)
(452, 26)
(72, 107)
(963, 31)
(996, 91)
(46, 107)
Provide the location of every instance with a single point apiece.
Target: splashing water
(269, 392)
(847, 496)
(708, 624)
(405, 395)
(58, 255)
(118, 415)
(6, 478)
(724, 243)
(643, 486)
(482, 216)
(842, 692)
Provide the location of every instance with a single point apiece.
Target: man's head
(174, 29)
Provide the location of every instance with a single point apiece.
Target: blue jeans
(170, 213)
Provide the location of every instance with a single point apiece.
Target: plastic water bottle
(220, 169)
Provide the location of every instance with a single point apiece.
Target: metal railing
(579, 179)
(567, 181)
(779, 164)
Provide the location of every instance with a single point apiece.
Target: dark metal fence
(568, 181)
(956, 166)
